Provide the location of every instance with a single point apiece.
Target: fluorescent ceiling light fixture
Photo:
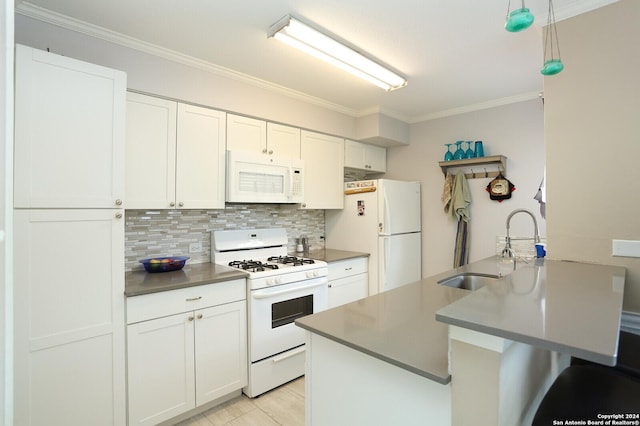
(301, 36)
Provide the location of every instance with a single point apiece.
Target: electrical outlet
(195, 248)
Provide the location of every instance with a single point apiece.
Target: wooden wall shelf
(483, 167)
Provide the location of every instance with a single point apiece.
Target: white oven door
(273, 311)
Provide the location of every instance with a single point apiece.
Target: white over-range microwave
(261, 178)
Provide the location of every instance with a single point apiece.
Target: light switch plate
(195, 248)
(626, 248)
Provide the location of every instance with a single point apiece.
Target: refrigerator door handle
(382, 277)
(385, 214)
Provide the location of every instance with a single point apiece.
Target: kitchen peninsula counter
(141, 282)
(397, 326)
(568, 307)
(396, 352)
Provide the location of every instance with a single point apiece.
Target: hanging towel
(461, 251)
(541, 195)
(447, 192)
(460, 201)
(460, 198)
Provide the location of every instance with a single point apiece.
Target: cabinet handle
(193, 299)
(264, 151)
(180, 204)
(172, 204)
(348, 269)
(270, 151)
(118, 215)
(118, 202)
(199, 316)
(190, 318)
(330, 285)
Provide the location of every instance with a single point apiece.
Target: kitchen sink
(468, 280)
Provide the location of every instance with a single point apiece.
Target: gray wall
(593, 140)
(515, 131)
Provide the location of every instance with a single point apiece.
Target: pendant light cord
(552, 32)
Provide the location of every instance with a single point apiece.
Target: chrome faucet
(508, 251)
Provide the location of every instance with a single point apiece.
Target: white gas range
(281, 288)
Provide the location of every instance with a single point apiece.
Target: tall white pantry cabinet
(69, 344)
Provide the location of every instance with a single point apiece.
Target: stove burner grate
(252, 265)
(295, 261)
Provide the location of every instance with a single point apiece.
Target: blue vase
(479, 151)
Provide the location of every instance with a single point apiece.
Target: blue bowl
(164, 264)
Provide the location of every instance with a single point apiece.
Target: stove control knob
(278, 280)
(270, 281)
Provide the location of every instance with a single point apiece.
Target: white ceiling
(455, 54)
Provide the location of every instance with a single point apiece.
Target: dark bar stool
(628, 355)
(584, 390)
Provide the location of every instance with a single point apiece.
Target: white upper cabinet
(200, 163)
(174, 155)
(283, 141)
(362, 156)
(150, 152)
(258, 136)
(81, 134)
(246, 134)
(323, 157)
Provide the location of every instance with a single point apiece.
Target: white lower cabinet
(348, 281)
(69, 341)
(179, 361)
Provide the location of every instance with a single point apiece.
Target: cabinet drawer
(345, 268)
(164, 303)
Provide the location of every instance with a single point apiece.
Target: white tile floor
(281, 406)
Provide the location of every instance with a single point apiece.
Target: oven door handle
(287, 355)
(265, 295)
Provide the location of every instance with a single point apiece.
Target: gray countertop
(569, 307)
(564, 306)
(141, 282)
(332, 255)
(397, 326)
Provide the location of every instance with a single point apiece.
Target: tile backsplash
(156, 233)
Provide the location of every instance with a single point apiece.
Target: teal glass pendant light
(552, 62)
(519, 19)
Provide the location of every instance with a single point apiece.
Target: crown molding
(573, 9)
(478, 107)
(67, 22)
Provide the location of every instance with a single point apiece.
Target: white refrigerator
(380, 217)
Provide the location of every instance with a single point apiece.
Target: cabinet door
(69, 346)
(323, 170)
(246, 134)
(283, 141)
(69, 132)
(349, 289)
(160, 368)
(354, 154)
(200, 164)
(221, 351)
(150, 173)
(375, 158)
